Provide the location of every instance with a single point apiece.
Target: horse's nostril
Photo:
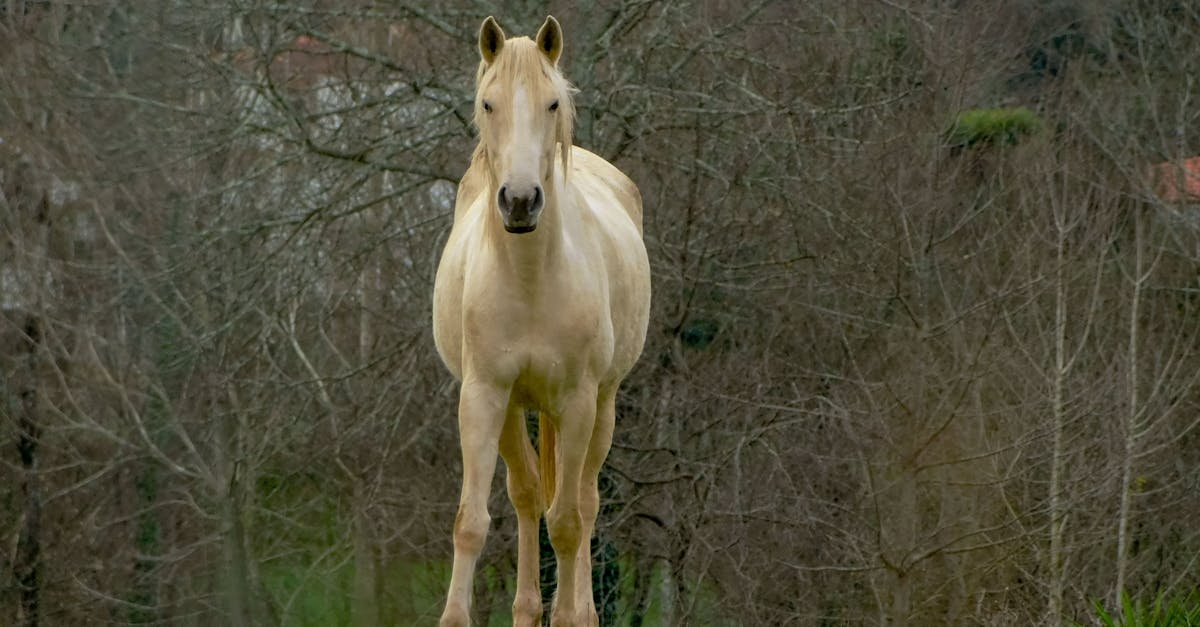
(520, 203)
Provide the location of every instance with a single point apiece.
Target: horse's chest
(555, 343)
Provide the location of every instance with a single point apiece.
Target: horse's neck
(530, 255)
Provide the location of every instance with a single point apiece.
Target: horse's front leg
(589, 497)
(525, 495)
(564, 519)
(480, 419)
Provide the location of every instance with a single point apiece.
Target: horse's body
(541, 302)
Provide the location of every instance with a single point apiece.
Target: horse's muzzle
(520, 210)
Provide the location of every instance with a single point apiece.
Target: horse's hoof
(580, 619)
(454, 617)
(527, 610)
(527, 620)
(587, 615)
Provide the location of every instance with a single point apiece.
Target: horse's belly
(614, 208)
(447, 313)
(629, 296)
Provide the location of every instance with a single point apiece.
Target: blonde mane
(520, 62)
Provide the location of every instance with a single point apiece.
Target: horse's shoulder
(588, 164)
(473, 182)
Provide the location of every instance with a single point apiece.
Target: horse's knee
(565, 527)
(525, 496)
(470, 530)
(589, 503)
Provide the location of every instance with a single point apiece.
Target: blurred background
(923, 347)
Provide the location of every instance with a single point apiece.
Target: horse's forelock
(521, 61)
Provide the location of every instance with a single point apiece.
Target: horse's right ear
(491, 40)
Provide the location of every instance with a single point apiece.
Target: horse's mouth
(518, 229)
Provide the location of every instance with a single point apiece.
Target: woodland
(923, 345)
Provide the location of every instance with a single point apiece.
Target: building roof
(1177, 181)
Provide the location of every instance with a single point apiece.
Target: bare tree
(900, 368)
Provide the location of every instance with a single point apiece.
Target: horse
(541, 303)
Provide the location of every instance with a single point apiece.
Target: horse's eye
(554, 106)
(487, 107)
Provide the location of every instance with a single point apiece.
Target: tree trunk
(237, 575)
(366, 580)
(1057, 520)
(668, 594)
(28, 562)
(1131, 417)
(899, 520)
(642, 594)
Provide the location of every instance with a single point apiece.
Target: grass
(414, 592)
(1179, 611)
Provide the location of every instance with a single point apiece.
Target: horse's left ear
(550, 40)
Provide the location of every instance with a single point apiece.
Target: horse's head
(522, 109)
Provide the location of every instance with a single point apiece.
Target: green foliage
(606, 578)
(315, 600)
(1181, 611)
(1002, 126)
(698, 333)
(325, 597)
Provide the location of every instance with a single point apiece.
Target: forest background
(922, 348)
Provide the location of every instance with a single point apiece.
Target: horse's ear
(550, 39)
(491, 40)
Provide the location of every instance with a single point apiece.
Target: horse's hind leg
(589, 502)
(525, 495)
(480, 419)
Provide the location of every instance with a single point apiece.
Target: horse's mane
(522, 62)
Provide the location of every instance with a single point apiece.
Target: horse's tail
(546, 444)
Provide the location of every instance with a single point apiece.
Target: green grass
(1001, 126)
(1179, 611)
(413, 594)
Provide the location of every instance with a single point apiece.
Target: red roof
(1177, 181)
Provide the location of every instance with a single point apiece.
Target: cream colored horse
(541, 302)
